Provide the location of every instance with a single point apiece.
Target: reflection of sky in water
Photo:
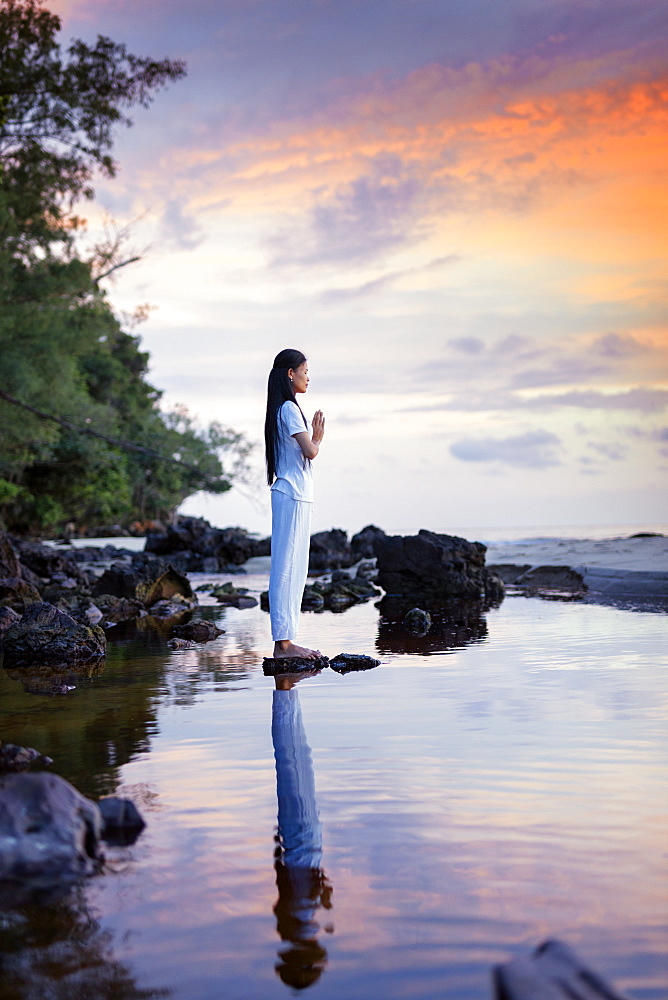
(472, 803)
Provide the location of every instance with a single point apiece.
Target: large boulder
(17, 593)
(432, 567)
(49, 832)
(9, 561)
(330, 550)
(147, 580)
(362, 543)
(197, 537)
(45, 634)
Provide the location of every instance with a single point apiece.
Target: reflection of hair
(279, 391)
(300, 892)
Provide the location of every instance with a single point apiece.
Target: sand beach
(627, 566)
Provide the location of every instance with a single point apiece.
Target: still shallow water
(473, 801)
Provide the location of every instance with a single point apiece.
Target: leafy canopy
(63, 350)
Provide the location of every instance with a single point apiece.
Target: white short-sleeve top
(293, 470)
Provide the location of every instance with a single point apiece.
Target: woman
(291, 445)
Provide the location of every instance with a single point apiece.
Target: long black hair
(279, 391)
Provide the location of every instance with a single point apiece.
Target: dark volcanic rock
(16, 593)
(234, 597)
(363, 542)
(122, 821)
(553, 971)
(119, 609)
(272, 666)
(330, 550)
(197, 537)
(15, 758)
(433, 567)
(198, 631)
(9, 561)
(344, 663)
(148, 580)
(47, 635)
(8, 617)
(49, 833)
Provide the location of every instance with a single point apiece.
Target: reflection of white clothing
(298, 822)
(290, 539)
(294, 476)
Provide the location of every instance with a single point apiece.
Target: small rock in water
(180, 644)
(200, 631)
(122, 821)
(272, 666)
(418, 621)
(15, 758)
(345, 662)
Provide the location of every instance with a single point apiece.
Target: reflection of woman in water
(302, 885)
(291, 444)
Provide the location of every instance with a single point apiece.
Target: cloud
(468, 345)
(179, 229)
(532, 450)
(614, 452)
(333, 296)
(615, 345)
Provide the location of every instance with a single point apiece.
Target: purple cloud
(532, 450)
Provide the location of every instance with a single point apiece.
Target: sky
(457, 210)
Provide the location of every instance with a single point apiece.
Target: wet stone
(344, 663)
(274, 666)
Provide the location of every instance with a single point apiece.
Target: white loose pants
(290, 540)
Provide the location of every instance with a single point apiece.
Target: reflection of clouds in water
(302, 885)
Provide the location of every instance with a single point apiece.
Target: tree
(64, 354)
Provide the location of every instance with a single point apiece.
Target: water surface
(478, 792)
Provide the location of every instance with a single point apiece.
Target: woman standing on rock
(291, 445)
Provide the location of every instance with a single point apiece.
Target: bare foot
(286, 649)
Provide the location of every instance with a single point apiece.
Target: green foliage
(63, 351)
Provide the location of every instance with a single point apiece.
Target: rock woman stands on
(291, 444)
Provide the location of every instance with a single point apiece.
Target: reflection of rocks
(49, 833)
(454, 624)
(56, 948)
(431, 567)
(45, 634)
(52, 679)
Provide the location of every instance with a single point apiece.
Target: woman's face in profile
(299, 376)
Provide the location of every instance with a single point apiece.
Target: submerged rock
(49, 832)
(418, 621)
(15, 758)
(552, 972)
(122, 821)
(181, 644)
(198, 631)
(343, 663)
(45, 634)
